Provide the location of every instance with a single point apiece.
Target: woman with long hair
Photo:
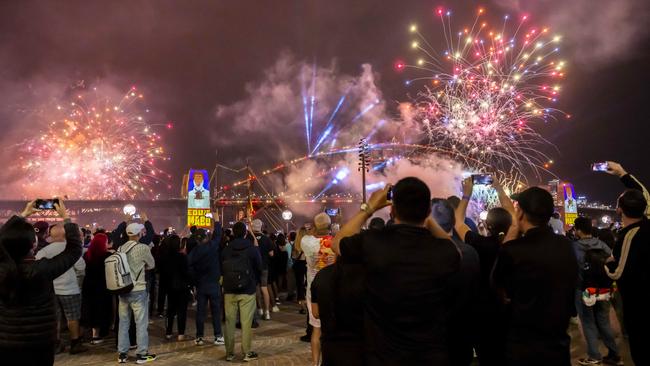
(96, 300)
(27, 316)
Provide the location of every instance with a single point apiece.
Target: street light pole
(364, 165)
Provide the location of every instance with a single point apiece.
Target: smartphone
(600, 167)
(332, 211)
(136, 216)
(42, 204)
(482, 179)
(209, 215)
(389, 195)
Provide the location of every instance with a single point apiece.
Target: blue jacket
(204, 263)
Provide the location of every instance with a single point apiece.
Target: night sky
(192, 56)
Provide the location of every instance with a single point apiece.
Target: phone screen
(482, 179)
(42, 204)
(208, 215)
(332, 211)
(600, 167)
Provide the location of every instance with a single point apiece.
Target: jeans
(202, 299)
(595, 324)
(246, 306)
(136, 302)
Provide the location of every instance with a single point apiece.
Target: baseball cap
(134, 229)
(536, 201)
(257, 225)
(322, 220)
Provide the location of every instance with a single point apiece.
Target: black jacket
(539, 274)
(27, 319)
(255, 261)
(204, 263)
(636, 273)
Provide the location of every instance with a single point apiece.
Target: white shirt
(67, 283)
(319, 254)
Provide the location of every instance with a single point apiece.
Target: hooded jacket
(255, 261)
(582, 246)
(204, 263)
(27, 316)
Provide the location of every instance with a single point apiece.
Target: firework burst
(94, 148)
(486, 88)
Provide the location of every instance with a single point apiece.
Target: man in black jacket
(537, 274)
(408, 268)
(27, 316)
(630, 267)
(205, 270)
(242, 268)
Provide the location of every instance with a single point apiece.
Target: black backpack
(237, 271)
(593, 272)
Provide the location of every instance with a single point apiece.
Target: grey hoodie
(583, 245)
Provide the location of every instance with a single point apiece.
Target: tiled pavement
(275, 341)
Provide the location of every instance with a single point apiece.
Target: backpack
(237, 271)
(118, 272)
(593, 272)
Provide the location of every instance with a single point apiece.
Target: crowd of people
(428, 286)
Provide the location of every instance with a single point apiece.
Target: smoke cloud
(597, 31)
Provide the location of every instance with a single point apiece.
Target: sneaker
(275, 309)
(96, 341)
(260, 311)
(305, 338)
(122, 358)
(250, 356)
(588, 361)
(255, 324)
(219, 341)
(230, 357)
(133, 347)
(183, 338)
(161, 315)
(267, 316)
(199, 341)
(140, 359)
(168, 337)
(613, 360)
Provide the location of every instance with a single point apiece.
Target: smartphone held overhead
(600, 167)
(482, 179)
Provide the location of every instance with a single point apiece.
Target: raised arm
(377, 201)
(55, 267)
(217, 231)
(461, 211)
(504, 200)
(147, 238)
(629, 181)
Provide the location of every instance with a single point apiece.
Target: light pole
(287, 215)
(364, 165)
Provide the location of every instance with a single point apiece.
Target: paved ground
(276, 342)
